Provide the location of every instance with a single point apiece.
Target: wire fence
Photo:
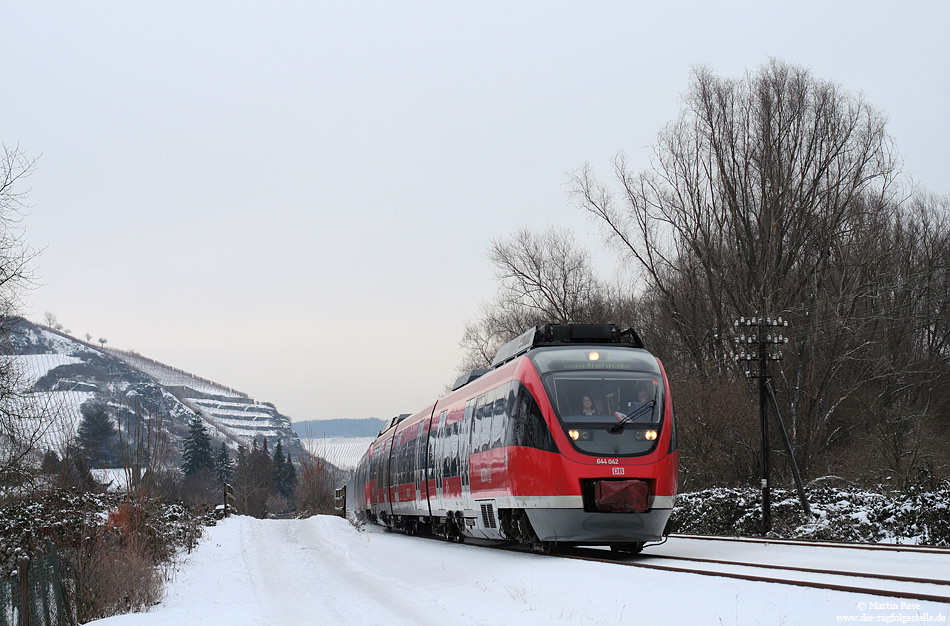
(37, 584)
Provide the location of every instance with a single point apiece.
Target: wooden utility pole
(764, 420)
(761, 338)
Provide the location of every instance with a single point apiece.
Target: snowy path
(324, 571)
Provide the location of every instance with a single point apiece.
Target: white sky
(295, 199)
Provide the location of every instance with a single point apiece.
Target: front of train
(607, 403)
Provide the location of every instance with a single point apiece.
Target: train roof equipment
(468, 377)
(563, 334)
(392, 422)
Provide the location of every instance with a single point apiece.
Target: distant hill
(368, 427)
(70, 373)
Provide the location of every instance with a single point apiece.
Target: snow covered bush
(112, 549)
(919, 514)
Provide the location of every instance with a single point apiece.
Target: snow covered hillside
(65, 373)
(322, 570)
(342, 452)
(231, 412)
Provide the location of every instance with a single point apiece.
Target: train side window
(465, 439)
(499, 417)
(478, 427)
(440, 449)
(403, 448)
(487, 410)
(432, 440)
(529, 428)
(412, 459)
(420, 460)
(508, 437)
(473, 422)
(454, 449)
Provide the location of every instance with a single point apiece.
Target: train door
(452, 482)
(388, 488)
(431, 438)
(432, 462)
(465, 443)
(499, 425)
(381, 468)
(481, 437)
(419, 465)
(436, 461)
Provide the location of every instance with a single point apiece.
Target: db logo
(618, 471)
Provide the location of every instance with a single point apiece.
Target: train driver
(587, 405)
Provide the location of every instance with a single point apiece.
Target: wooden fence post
(339, 501)
(228, 499)
(23, 582)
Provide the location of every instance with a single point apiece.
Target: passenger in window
(643, 395)
(587, 405)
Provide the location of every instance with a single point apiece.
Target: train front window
(604, 404)
(615, 415)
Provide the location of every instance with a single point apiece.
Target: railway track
(872, 584)
(820, 544)
(866, 582)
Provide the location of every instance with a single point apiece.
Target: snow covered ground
(323, 570)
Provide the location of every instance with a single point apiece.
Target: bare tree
(24, 418)
(317, 479)
(542, 277)
(15, 256)
(143, 450)
(776, 195)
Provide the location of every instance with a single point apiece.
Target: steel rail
(904, 594)
(820, 544)
(584, 554)
(807, 570)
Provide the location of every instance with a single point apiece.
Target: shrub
(918, 514)
(112, 549)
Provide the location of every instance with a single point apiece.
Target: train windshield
(609, 401)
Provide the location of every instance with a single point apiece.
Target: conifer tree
(253, 480)
(285, 476)
(223, 465)
(291, 476)
(241, 481)
(197, 454)
(278, 463)
(97, 436)
(262, 468)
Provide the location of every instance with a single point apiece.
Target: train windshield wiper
(619, 426)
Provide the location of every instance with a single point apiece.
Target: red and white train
(568, 440)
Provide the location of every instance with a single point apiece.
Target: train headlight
(650, 435)
(574, 434)
(594, 356)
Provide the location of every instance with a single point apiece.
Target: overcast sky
(295, 199)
